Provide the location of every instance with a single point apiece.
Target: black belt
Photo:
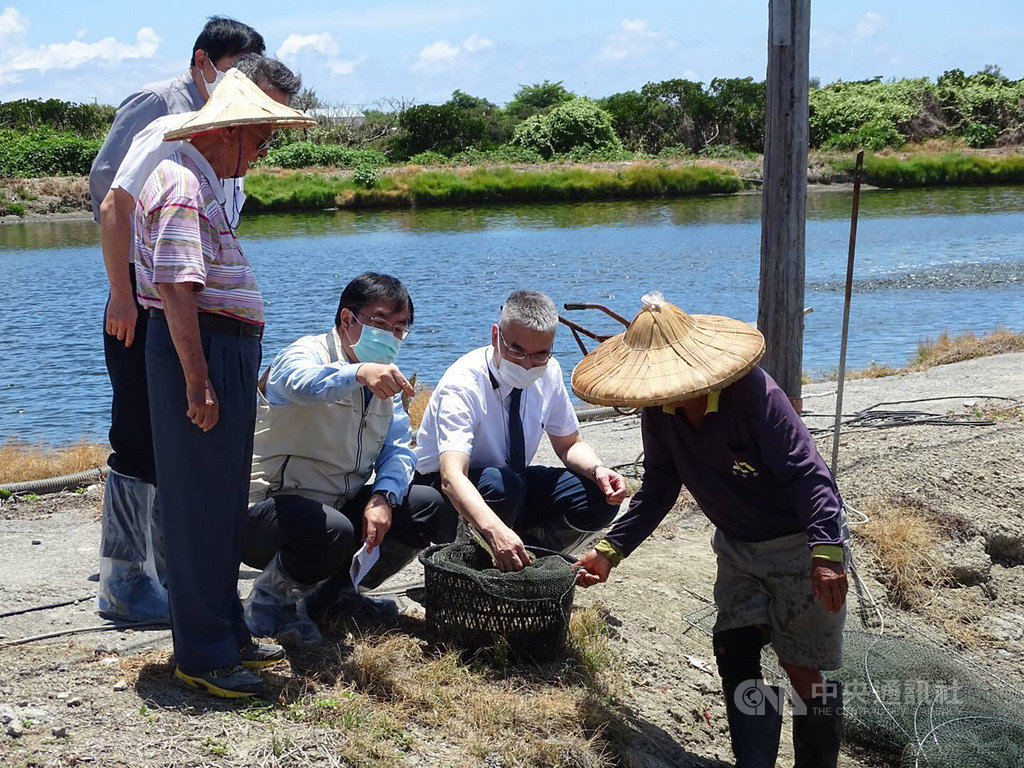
(216, 322)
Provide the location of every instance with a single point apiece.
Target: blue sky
(357, 53)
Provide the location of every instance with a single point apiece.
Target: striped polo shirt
(182, 236)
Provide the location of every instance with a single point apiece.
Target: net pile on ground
(922, 701)
(473, 604)
(918, 700)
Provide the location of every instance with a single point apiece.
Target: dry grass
(966, 346)
(947, 348)
(27, 461)
(388, 693)
(904, 543)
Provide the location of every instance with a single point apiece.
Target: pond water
(927, 261)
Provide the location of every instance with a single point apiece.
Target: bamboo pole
(846, 311)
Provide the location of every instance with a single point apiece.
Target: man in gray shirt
(129, 588)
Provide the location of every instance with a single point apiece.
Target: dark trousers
(317, 542)
(131, 437)
(541, 504)
(204, 488)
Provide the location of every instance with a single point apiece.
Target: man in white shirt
(482, 426)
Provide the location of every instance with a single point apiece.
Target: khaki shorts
(769, 583)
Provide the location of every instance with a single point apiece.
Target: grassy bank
(417, 187)
(947, 348)
(946, 169)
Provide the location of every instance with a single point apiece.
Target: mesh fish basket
(472, 604)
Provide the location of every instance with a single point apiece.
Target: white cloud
(12, 23)
(475, 43)
(634, 38)
(442, 55)
(869, 25)
(18, 58)
(322, 43)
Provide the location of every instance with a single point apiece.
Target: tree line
(547, 121)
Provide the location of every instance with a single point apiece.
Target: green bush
(11, 209)
(875, 135)
(89, 121)
(979, 135)
(506, 153)
(674, 153)
(44, 152)
(304, 154)
(366, 176)
(577, 123)
(429, 158)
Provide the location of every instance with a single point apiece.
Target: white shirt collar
(504, 390)
(206, 169)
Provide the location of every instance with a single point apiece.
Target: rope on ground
(46, 607)
(85, 630)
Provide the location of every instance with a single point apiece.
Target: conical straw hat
(666, 356)
(239, 101)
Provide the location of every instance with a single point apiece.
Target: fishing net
(928, 704)
(916, 699)
(473, 604)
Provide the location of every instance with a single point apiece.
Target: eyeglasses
(400, 331)
(515, 352)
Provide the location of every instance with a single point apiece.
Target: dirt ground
(105, 698)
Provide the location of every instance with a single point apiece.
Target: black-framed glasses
(400, 331)
(515, 352)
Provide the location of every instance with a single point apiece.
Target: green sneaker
(260, 655)
(231, 682)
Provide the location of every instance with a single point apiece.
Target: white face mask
(212, 86)
(518, 377)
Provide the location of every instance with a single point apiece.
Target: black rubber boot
(755, 723)
(817, 735)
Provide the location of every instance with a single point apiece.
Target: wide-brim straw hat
(667, 356)
(238, 101)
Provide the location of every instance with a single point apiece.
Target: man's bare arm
(115, 240)
(183, 322)
(508, 547)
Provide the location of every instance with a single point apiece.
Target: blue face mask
(376, 346)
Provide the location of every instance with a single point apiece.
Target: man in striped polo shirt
(202, 359)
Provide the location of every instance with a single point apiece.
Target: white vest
(322, 451)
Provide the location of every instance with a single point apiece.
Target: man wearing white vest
(329, 415)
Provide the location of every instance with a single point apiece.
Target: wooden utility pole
(784, 202)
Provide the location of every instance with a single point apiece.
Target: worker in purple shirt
(716, 423)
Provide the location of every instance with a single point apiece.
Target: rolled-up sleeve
(561, 419)
(134, 114)
(456, 422)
